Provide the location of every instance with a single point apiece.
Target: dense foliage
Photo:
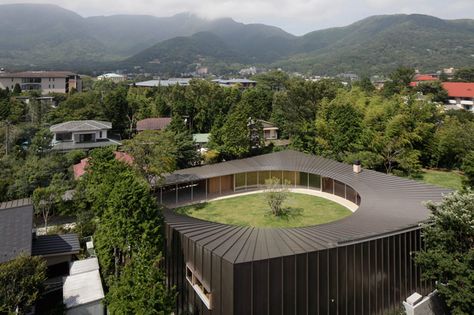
(127, 225)
(22, 281)
(448, 257)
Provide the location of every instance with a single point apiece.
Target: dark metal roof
(388, 204)
(45, 245)
(16, 224)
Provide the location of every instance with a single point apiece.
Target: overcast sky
(295, 16)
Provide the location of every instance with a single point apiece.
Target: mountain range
(48, 36)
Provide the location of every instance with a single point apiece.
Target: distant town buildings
(81, 134)
(248, 71)
(244, 83)
(44, 81)
(114, 77)
(163, 83)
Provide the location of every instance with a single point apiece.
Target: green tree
(154, 154)
(16, 90)
(453, 141)
(399, 81)
(41, 142)
(275, 195)
(464, 75)
(434, 89)
(365, 84)
(140, 289)
(45, 199)
(468, 169)
(448, 256)
(22, 282)
(338, 128)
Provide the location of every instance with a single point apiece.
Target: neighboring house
(44, 81)
(163, 83)
(422, 78)
(201, 140)
(80, 168)
(270, 131)
(153, 123)
(16, 228)
(114, 77)
(461, 95)
(82, 289)
(244, 83)
(17, 236)
(81, 134)
(56, 249)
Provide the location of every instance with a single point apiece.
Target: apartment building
(44, 81)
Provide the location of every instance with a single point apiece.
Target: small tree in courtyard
(448, 257)
(275, 194)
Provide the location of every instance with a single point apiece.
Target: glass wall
(263, 176)
(225, 185)
(314, 181)
(252, 180)
(240, 181)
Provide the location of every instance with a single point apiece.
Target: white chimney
(357, 168)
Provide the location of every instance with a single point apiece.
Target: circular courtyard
(252, 210)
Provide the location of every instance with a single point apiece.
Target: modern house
(361, 264)
(81, 134)
(461, 95)
(44, 81)
(159, 123)
(114, 77)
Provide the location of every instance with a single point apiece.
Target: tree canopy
(448, 256)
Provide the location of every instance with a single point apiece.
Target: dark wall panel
(371, 277)
(260, 287)
(276, 285)
(243, 288)
(313, 283)
(301, 284)
(289, 289)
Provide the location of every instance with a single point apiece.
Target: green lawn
(252, 210)
(447, 179)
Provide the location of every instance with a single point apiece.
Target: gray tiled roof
(81, 125)
(55, 244)
(16, 224)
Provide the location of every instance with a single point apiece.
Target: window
(198, 287)
(100, 134)
(67, 136)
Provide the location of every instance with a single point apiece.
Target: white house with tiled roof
(81, 134)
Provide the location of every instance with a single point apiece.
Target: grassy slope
(446, 179)
(252, 210)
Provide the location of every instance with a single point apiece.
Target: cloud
(297, 16)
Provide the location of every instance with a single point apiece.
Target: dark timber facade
(361, 264)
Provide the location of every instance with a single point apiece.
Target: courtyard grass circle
(252, 210)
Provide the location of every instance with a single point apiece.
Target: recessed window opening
(196, 283)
